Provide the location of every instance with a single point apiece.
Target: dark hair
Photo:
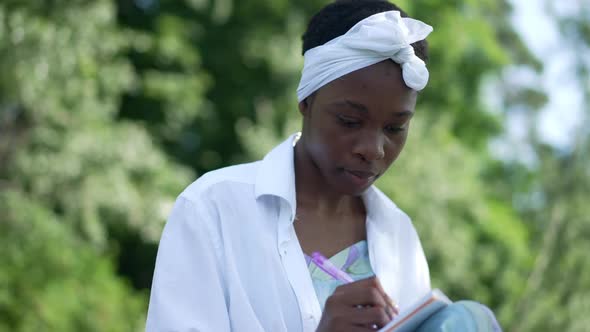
(338, 17)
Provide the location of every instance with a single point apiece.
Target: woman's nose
(370, 147)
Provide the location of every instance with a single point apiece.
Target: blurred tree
(228, 52)
(557, 293)
(108, 109)
(557, 296)
(74, 178)
(51, 280)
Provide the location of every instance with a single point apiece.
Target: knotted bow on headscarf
(382, 36)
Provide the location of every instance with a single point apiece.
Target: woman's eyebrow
(354, 105)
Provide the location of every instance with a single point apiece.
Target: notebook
(410, 318)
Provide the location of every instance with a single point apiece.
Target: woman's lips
(362, 174)
(360, 178)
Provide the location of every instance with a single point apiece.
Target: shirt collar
(276, 175)
(380, 209)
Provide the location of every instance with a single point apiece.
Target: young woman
(234, 254)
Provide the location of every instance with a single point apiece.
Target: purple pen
(325, 265)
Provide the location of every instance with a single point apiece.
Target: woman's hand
(358, 306)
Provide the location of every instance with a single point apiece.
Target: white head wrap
(382, 36)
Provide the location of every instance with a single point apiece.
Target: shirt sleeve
(188, 292)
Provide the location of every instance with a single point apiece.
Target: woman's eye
(348, 122)
(395, 129)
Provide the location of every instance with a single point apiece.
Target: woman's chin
(351, 189)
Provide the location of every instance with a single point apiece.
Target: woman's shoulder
(222, 181)
(205, 200)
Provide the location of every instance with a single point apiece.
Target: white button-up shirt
(229, 258)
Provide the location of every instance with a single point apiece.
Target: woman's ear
(303, 107)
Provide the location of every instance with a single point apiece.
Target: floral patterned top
(353, 260)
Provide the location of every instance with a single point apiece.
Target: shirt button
(282, 250)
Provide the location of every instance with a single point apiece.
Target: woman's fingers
(370, 316)
(361, 305)
(366, 292)
(364, 297)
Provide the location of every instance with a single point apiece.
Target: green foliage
(52, 281)
(108, 109)
(75, 179)
(61, 92)
(559, 282)
(560, 279)
(242, 53)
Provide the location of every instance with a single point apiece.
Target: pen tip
(316, 255)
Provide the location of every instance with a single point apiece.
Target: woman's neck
(315, 195)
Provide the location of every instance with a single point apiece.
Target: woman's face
(356, 126)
